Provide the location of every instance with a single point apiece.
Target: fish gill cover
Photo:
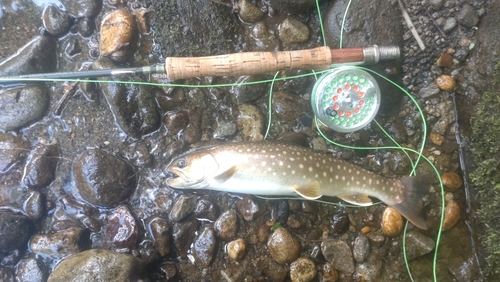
(486, 177)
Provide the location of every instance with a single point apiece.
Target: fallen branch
(411, 26)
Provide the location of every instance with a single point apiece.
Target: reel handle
(250, 63)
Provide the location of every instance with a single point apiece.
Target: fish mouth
(181, 180)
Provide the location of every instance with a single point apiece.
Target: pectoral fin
(311, 191)
(356, 199)
(223, 177)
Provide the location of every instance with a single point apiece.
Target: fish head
(192, 171)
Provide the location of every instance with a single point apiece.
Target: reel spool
(346, 99)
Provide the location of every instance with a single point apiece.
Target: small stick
(435, 23)
(68, 91)
(411, 26)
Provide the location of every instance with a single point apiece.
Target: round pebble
(284, 248)
(183, 207)
(292, 30)
(205, 246)
(302, 270)
(330, 274)
(15, 230)
(160, 231)
(123, 228)
(237, 249)
(226, 225)
(250, 122)
(392, 222)
(437, 138)
(41, 168)
(467, 16)
(445, 82)
(56, 22)
(451, 181)
(445, 60)
(451, 214)
(248, 12)
(62, 243)
(31, 269)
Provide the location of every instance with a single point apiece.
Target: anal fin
(311, 191)
(356, 199)
(223, 177)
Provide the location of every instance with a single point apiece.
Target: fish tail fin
(414, 189)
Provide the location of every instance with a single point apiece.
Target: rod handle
(248, 63)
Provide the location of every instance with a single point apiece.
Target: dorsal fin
(295, 138)
(311, 191)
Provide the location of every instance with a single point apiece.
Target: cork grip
(248, 63)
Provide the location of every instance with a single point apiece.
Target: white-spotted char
(278, 168)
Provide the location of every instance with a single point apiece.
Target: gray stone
(37, 56)
(429, 90)
(31, 269)
(361, 248)
(40, 170)
(97, 265)
(467, 16)
(15, 230)
(417, 244)
(339, 254)
(61, 243)
(183, 207)
(160, 231)
(56, 22)
(83, 8)
(369, 270)
(183, 234)
(302, 270)
(103, 179)
(21, 106)
(292, 30)
(205, 246)
(13, 149)
(123, 228)
(436, 4)
(449, 24)
(248, 12)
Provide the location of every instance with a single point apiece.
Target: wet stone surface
(226, 225)
(283, 247)
(339, 254)
(15, 230)
(123, 228)
(13, 149)
(41, 167)
(204, 247)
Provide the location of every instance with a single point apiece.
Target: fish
(282, 168)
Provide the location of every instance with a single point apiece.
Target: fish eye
(182, 163)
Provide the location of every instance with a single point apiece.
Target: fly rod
(236, 64)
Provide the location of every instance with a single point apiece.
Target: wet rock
(417, 244)
(97, 265)
(302, 270)
(83, 9)
(338, 253)
(280, 212)
(37, 56)
(175, 122)
(451, 214)
(34, 205)
(263, 233)
(192, 133)
(248, 208)
(15, 230)
(55, 21)
(392, 222)
(292, 30)
(61, 243)
(160, 231)
(224, 128)
(86, 27)
(6, 274)
(283, 247)
(340, 222)
(183, 207)
(243, 93)
(226, 225)
(250, 122)
(294, 7)
(399, 163)
(449, 24)
(429, 90)
(287, 107)
(273, 270)
(293, 222)
(21, 106)
(237, 249)
(134, 106)
(123, 228)
(248, 12)
(451, 181)
(31, 269)
(41, 168)
(142, 17)
(330, 274)
(467, 16)
(183, 234)
(204, 246)
(361, 248)
(436, 4)
(119, 35)
(445, 60)
(370, 269)
(147, 251)
(103, 179)
(13, 149)
(206, 208)
(445, 82)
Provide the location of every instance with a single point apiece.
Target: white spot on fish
(281, 163)
(284, 152)
(350, 170)
(301, 166)
(263, 151)
(298, 153)
(305, 159)
(370, 181)
(288, 166)
(378, 182)
(317, 164)
(316, 175)
(357, 172)
(310, 168)
(343, 177)
(331, 180)
(273, 156)
(274, 173)
(336, 177)
(240, 151)
(292, 159)
(284, 173)
(263, 163)
(293, 171)
(364, 177)
(303, 176)
(274, 163)
(348, 183)
(269, 169)
(324, 174)
(331, 169)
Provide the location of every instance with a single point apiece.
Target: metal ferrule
(375, 54)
